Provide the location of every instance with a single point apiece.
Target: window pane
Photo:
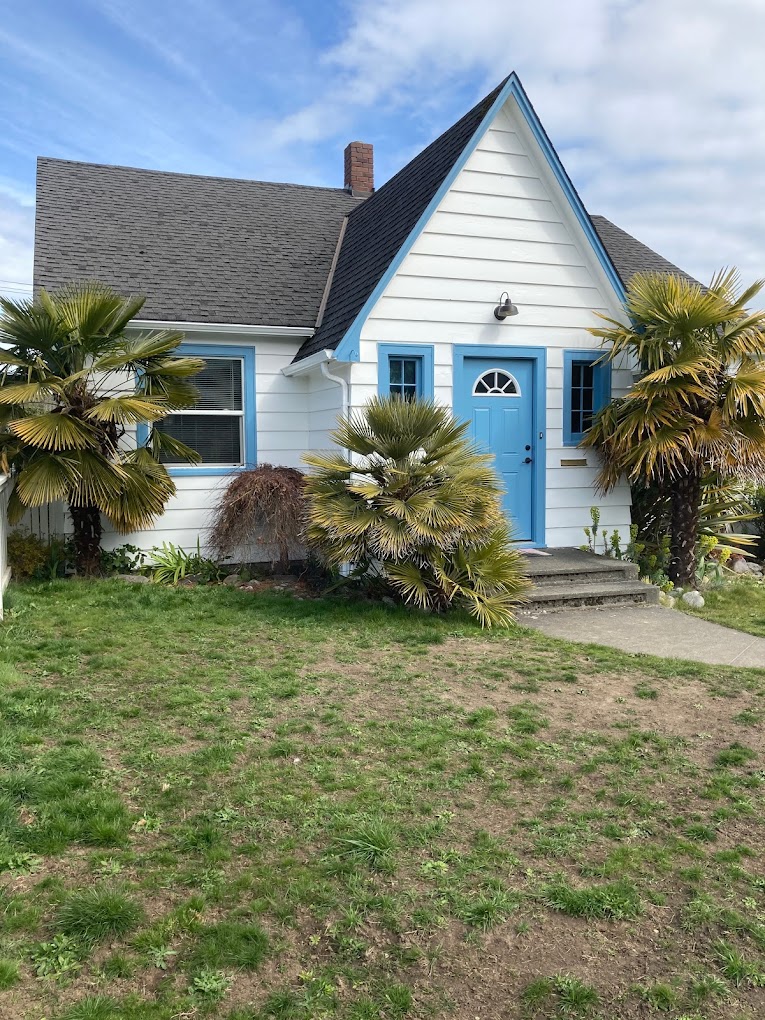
(218, 439)
(410, 371)
(220, 385)
(395, 372)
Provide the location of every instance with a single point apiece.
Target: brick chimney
(359, 168)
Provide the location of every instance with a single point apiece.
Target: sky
(656, 107)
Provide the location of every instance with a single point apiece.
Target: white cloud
(658, 103)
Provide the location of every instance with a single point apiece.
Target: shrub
(413, 501)
(27, 554)
(266, 507)
(173, 564)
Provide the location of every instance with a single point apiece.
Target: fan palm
(71, 384)
(414, 500)
(699, 407)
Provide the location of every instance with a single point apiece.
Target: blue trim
(247, 354)
(461, 406)
(602, 387)
(423, 352)
(348, 348)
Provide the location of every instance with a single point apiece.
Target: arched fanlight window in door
(496, 382)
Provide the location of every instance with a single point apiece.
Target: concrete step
(598, 570)
(572, 595)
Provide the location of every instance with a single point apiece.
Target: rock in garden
(741, 567)
(232, 580)
(133, 578)
(693, 599)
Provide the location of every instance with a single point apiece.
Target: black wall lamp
(505, 307)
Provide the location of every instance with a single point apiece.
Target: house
(471, 276)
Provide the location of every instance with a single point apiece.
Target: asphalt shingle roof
(630, 256)
(377, 229)
(202, 249)
(211, 249)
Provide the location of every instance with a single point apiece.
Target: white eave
(306, 364)
(244, 329)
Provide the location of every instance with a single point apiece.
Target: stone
(133, 578)
(232, 580)
(667, 600)
(755, 568)
(694, 600)
(740, 566)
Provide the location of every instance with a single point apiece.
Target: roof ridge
(186, 176)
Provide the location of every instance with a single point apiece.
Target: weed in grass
(487, 910)
(93, 915)
(616, 900)
(736, 968)
(210, 985)
(371, 843)
(570, 996)
(94, 1007)
(118, 966)
(229, 944)
(749, 717)
(60, 957)
(9, 973)
(659, 996)
(735, 756)
(700, 833)
(525, 718)
(707, 986)
(646, 691)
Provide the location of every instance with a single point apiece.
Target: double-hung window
(405, 371)
(221, 425)
(586, 389)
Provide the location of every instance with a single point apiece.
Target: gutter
(321, 360)
(245, 329)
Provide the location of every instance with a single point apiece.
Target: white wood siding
(505, 225)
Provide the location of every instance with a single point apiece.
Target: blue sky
(654, 105)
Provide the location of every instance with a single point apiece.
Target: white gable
(505, 224)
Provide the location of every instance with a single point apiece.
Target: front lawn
(219, 804)
(740, 605)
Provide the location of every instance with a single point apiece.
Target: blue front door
(501, 402)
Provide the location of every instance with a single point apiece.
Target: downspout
(343, 385)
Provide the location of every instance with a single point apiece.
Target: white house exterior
(326, 297)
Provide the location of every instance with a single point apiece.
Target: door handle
(527, 460)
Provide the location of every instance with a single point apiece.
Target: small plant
(59, 957)
(160, 956)
(617, 900)
(659, 996)
(736, 968)
(9, 973)
(415, 508)
(574, 998)
(371, 843)
(96, 914)
(125, 559)
(210, 984)
(28, 555)
(173, 564)
(263, 507)
(485, 911)
(230, 944)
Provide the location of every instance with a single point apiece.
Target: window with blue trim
(405, 370)
(405, 377)
(214, 427)
(586, 389)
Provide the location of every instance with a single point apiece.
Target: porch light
(505, 307)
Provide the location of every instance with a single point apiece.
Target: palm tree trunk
(87, 538)
(686, 511)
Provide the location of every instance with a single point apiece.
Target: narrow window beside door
(405, 376)
(214, 427)
(586, 389)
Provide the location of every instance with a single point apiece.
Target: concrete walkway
(652, 630)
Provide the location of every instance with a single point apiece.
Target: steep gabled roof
(631, 256)
(203, 249)
(376, 230)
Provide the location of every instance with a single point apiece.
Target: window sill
(201, 469)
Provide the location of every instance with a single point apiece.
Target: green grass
(740, 605)
(236, 806)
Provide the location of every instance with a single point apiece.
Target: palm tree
(411, 500)
(699, 407)
(71, 384)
